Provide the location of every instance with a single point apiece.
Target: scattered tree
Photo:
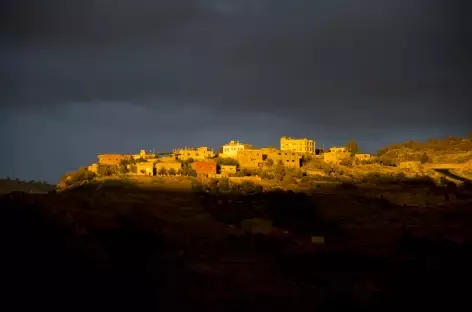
(106, 170)
(279, 172)
(78, 176)
(353, 147)
(227, 162)
(172, 172)
(162, 171)
(122, 169)
(424, 158)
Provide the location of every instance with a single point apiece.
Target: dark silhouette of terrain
(125, 248)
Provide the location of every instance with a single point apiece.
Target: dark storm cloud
(91, 76)
(306, 60)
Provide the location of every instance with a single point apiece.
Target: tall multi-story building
(301, 145)
(231, 149)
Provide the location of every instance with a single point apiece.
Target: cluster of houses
(290, 154)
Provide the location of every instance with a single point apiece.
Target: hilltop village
(295, 161)
(233, 157)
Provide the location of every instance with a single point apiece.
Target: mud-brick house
(362, 157)
(287, 158)
(145, 168)
(250, 158)
(336, 155)
(195, 153)
(111, 159)
(176, 166)
(204, 167)
(227, 170)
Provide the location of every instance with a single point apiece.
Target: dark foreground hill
(9, 185)
(122, 247)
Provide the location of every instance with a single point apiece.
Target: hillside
(8, 186)
(141, 247)
(447, 150)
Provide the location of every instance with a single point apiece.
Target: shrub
(288, 178)
(172, 172)
(279, 172)
(122, 169)
(212, 184)
(78, 176)
(353, 147)
(224, 185)
(424, 158)
(305, 179)
(107, 170)
(346, 162)
(227, 162)
(269, 163)
(162, 171)
(249, 187)
(338, 171)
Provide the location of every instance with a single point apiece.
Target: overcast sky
(85, 77)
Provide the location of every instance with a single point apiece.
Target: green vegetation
(108, 170)
(424, 158)
(162, 171)
(226, 162)
(78, 176)
(353, 147)
(224, 185)
(9, 185)
(187, 168)
(448, 149)
(318, 164)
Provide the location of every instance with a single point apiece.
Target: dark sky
(95, 76)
